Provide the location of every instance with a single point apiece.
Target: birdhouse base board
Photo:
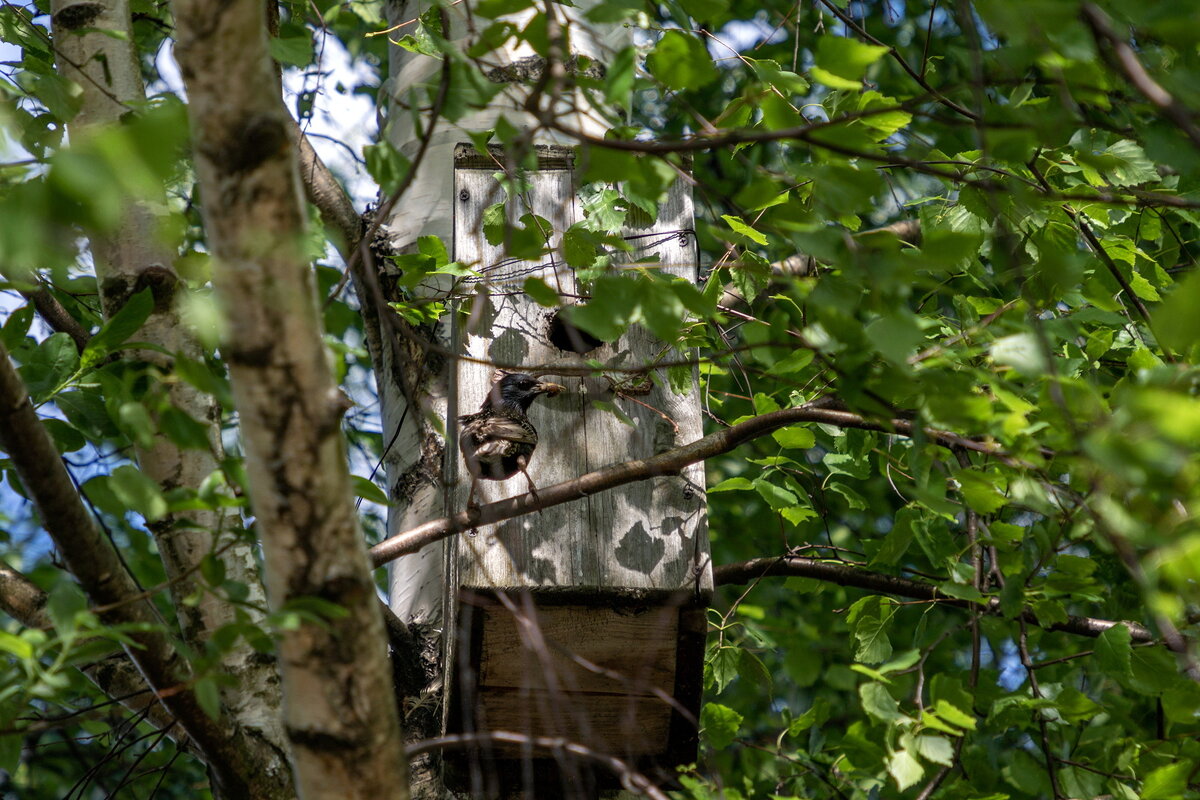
(619, 681)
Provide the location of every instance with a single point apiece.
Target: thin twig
(631, 780)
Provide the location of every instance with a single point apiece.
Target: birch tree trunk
(95, 47)
(339, 715)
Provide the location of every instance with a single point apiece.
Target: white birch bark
(340, 717)
(106, 68)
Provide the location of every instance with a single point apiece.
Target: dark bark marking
(252, 140)
(78, 15)
(531, 68)
(323, 740)
(425, 472)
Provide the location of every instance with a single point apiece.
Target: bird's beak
(545, 387)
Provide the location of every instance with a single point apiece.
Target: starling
(498, 440)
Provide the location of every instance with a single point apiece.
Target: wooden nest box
(584, 623)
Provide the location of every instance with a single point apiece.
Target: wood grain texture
(647, 536)
(623, 726)
(593, 650)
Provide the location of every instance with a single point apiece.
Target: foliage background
(1046, 312)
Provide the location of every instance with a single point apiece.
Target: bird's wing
(503, 428)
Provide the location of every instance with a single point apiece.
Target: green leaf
(208, 695)
(1168, 782)
(183, 430)
(980, 491)
(138, 492)
(937, 749)
(731, 485)
(954, 715)
(960, 591)
(580, 246)
(1128, 165)
(16, 645)
(426, 38)
(869, 619)
(724, 665)
(1176, 320)
(64, 602)
(368, 490)
(841, 62)
(1114, 652)
(16, 327)
(50, 366)
(878, 703)
(499, 8)
(795, 438)
(296, 50)
(720, 724)
(776, 496)
(741, 228)
(792, 363)
(540, 292)
(770, 73)
(386, 165)
(67, 438)
(125, 323)
(136, 422)
(895, 336)
(817, 715)
(681, 62)
(751, 668)
(904, 769)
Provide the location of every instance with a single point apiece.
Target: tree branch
(848, 575)
(326, 193)
(57, 317)
(21, 599)
(94, 561)
(1123, 57)
(666, 463)
(114, 675)
(803, 266)
(631, 780)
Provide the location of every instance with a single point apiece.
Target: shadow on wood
(585, 622)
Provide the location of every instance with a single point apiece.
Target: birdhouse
(583, 623)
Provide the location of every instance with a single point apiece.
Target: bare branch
(326, 193)
(92, 559)
(859, 578)
(631, 780)
(1122, 56)
(666, 463)
(21, 599)
(57, 317)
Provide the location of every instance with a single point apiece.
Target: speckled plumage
(498, 440)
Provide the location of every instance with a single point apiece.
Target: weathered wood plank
(623, 726)
(649, 536)
(581, 650)
(505, 326)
